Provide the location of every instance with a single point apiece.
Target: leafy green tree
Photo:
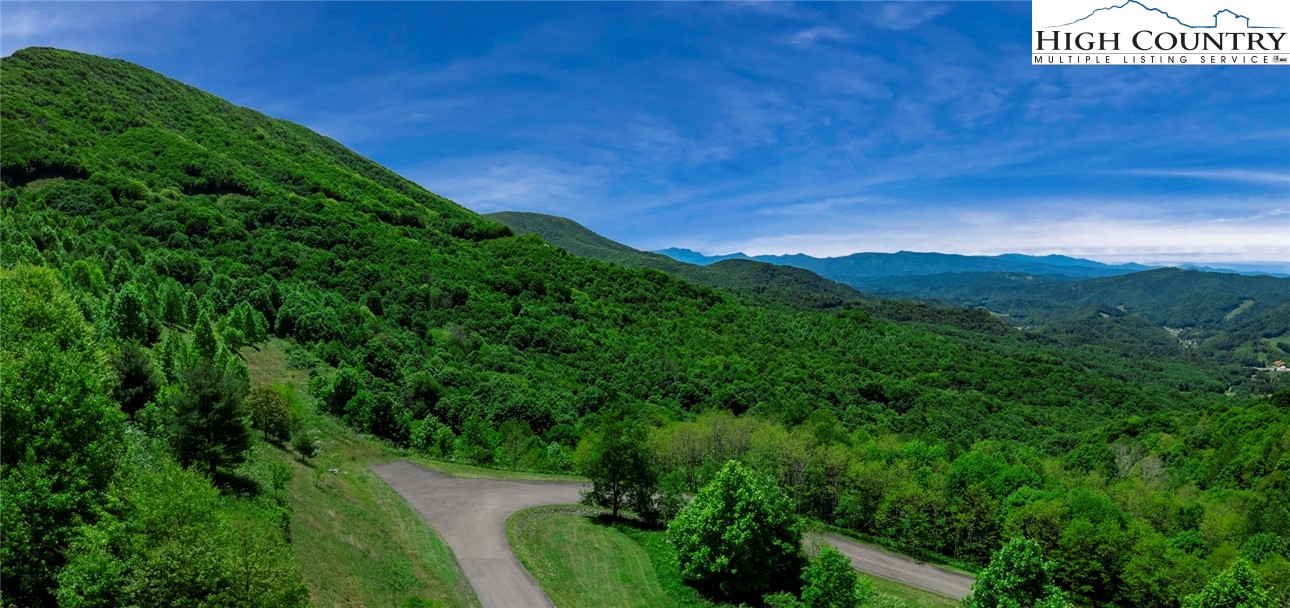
(204, 340)
(86, 276)
(122, 271)
(829, 581)
(137, 379)
(478, 441)
(171, 297)
(740, 536)
(1239, 586)
(421, 393)
(621, 468)
(62, 433)
(128, 316)
(1017, 576)
(433, 438)
(342, 387)
(210, 426)
(173, 354)
(233, 338)
(270, 412)
(173, 541)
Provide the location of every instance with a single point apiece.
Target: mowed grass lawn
(582, 564)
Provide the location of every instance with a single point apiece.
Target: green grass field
(582, 561)
(582, 564)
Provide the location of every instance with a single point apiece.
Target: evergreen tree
(210, 424)
(192, 308)
(172, 302)
(137, 380)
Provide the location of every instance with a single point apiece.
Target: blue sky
(766, 127)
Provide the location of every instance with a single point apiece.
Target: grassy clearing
(582, 561)
(356, 541)
(582, 564)
(663, 557)
(896, 595)
(1245, 305)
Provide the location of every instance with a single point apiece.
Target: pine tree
(210, 426)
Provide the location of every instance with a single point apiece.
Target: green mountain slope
(763, 282)
(172, 224)
(1230, 315)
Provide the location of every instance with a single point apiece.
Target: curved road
(470, 515)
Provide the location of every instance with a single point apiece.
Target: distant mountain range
(1154, 311)
(853, 268)
(858, 266)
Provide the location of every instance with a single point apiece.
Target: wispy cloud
(774, 8)
(819, 33)
(82, 26)
(515, 181)
(1271, 178)
(901, 16)
(1101, 233)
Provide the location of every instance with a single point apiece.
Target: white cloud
(819, 33)
(515, 182)
(1271, 178)
(1120, 231)
(80, 26)
(901, 16)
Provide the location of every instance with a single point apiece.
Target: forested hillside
(1242, 319)
(766, 283)
(150, 230)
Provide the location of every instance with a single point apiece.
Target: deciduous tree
(740, 536)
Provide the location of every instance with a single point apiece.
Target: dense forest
(1235, 320)
(762, 282)
(150, 230)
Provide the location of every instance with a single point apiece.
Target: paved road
(877, 562)
(470, 515)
